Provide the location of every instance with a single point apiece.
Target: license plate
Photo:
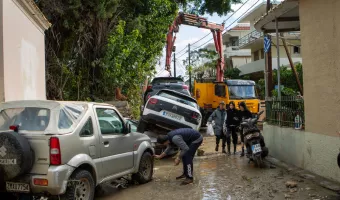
(256, 148)
(17, 187)
(172, 115)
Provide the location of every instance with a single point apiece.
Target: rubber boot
(228, 149)
(216, 148)
(234, 149)
(242, 154)
(223, 150)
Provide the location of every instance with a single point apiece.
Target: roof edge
(34, 13)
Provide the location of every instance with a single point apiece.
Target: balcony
(250, 38)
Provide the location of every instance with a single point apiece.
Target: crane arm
(200, 22)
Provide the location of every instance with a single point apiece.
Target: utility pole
(189, 68)
(174, 64)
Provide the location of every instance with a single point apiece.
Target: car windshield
(178, 98)
(241, 92)
(29, 119)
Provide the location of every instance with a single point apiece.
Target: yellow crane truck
(209, 94)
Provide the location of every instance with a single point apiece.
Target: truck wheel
(145, 171)
(141, 126)
(81, 186)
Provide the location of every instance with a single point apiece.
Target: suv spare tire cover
(16, 155)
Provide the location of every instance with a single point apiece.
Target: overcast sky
(189, 34)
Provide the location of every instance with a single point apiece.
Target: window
(87, 130)
(64, 121)
(234, 41)
(220, 90)
(28, 119)
(109, 122)
(242, 92)
(296, 50)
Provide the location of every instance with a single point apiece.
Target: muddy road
(221, 178)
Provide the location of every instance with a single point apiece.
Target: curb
(323, 182)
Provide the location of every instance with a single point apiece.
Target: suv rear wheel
(81, 186)
(145, 171)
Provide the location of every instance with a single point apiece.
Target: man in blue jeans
(188, 140)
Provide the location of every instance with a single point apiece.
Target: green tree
(95, 46)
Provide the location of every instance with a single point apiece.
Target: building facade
(234, 57)
(316, 147)
(254, 42)
(22, 51)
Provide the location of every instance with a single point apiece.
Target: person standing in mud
(219, 116)
(244, 114)
(188, 140)
(232, 122)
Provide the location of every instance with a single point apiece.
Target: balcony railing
(251, 37)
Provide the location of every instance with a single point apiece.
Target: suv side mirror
(127, 128)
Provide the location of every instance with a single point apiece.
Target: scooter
(254, 141)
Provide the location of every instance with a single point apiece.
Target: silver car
(66, 149)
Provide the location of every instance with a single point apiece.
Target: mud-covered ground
(224, 177)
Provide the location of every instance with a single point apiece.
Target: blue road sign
(267, 44)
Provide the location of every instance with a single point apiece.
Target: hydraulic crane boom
(200, 22)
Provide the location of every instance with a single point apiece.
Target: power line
(223, 21)
(225, 30)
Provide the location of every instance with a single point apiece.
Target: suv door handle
(106, 142)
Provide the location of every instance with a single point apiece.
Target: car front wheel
(81, 186)
(145, 171)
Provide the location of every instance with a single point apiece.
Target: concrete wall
(2, 91)
(314, 152)
(240, 60)
(23, 65)
(320, 36)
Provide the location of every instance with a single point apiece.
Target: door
(116, 146)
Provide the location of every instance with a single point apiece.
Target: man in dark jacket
(188, 140)
(218, 116)
(232, 122)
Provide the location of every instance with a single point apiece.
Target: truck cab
(208, 95)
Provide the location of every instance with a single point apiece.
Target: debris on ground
(200, 152)
(291, 184)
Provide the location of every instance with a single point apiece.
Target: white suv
(66, 149)
(170, 110)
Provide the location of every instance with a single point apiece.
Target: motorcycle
(254, 141)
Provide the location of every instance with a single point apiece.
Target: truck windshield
(241, 92)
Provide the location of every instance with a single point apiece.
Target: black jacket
(245, 115)
(232, 117)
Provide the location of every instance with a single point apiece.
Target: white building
(22, 50)
(234, 57)
(253, 41)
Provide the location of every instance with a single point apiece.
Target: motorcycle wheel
(259, 162)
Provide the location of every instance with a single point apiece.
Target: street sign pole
(267, 51)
